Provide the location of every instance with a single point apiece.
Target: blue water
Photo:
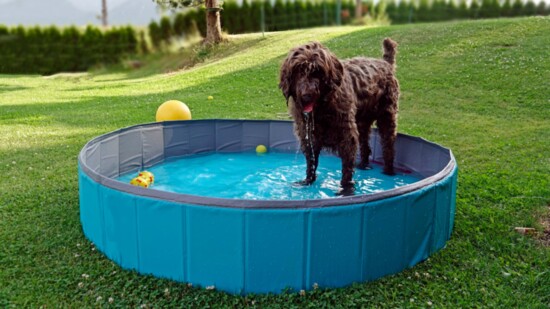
(269, 176)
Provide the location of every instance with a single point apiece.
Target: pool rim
(256, 204)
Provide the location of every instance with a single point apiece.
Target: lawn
(480, 88)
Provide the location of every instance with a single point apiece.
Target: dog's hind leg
(387, 127)
(364, 128)
(347, 153)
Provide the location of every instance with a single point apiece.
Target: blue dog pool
(250, 244)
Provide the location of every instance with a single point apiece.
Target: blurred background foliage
(48, 50)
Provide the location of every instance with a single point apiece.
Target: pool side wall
(265, 251)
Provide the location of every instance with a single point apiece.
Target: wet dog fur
(334, 104)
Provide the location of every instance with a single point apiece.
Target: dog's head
(309, 72)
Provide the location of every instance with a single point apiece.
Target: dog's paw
(389, 172)
(347, 190)
(364, 166)
(302, 183)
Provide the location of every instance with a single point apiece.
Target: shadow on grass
(190, 57)
(7, 88)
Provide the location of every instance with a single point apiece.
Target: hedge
(48, 50)
(293, 14)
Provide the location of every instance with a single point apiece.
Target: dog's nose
(306, 98)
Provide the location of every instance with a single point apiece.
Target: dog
(334, 104)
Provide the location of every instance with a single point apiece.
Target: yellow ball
(173, 110)
(210, 97)
(140, 182)
(148, 176)
(261, 149)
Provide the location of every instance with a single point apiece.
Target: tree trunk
(104, 21)
(213, 24)
(358, 9)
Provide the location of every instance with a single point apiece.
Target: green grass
(480, 88)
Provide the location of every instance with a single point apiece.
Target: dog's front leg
(312, 161)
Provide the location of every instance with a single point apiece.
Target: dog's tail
(390, 49)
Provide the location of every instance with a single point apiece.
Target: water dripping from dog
(310, 127)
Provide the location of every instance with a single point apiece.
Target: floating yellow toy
(140, 182)
(148, 176)
(261, 149)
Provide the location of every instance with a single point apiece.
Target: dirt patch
(544, 236)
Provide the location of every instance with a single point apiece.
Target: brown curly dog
(335, 102)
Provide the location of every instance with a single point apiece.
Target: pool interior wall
(244, 246)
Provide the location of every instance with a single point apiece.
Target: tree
(423, 11)
(474, 9)
(213, 24)
(517, 8)
(463, 11)
(143, 43)
(230, 20)
(245, 18)
(506, 9)
(530, 8)
(291, 15)
(541, 8)
(452, 10)
(489, 9)
(155, 34)
(311, 13)
(279, 18)
(439, 11)
(256, 15)
(358, 9)
(70, 39)
(392, 11)
(179, 24)
(166, 30)
(404, 9)
(104, 21)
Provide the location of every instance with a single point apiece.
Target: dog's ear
(331, 66)
(285, 79)
(335, 71)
